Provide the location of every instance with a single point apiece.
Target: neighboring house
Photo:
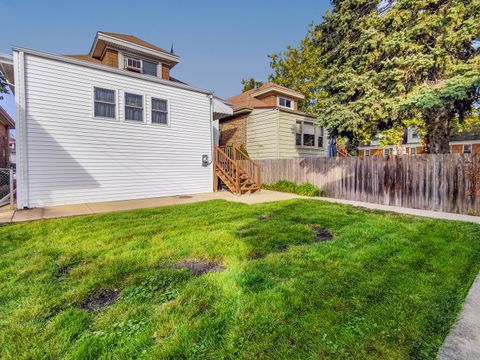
(12, 150)
(462, 143)
(267, 123)
(6, 124)
(112, 124)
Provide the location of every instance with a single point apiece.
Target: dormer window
(141, 66)
(285, 102)
(133, 64)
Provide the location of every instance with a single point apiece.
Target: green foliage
(3, 86)
(249, 84)
(366, 72)
(305, 189)
(386, 287)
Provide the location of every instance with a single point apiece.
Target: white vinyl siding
(73, 157)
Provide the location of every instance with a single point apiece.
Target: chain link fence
(7, 187)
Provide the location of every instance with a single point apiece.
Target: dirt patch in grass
(199, 267)
(64, 270)
(101, 300)
(321, 234)
(263, 217)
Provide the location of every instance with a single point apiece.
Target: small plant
(305, 189)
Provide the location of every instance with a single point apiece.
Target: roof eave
(290, 93)
(102, 37)
(6, 118)
(110, 69)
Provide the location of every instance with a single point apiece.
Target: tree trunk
(438, 132)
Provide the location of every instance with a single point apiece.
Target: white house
(108, 125)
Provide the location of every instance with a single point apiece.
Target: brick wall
(3, 146)
(234, 131)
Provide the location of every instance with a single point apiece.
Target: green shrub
(305, 189)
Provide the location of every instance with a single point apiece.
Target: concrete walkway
(463, 342)
(11, 216)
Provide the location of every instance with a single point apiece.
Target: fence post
(11, 188)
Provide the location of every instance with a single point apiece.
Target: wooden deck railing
(237, 167)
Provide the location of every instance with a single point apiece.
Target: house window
(149, 68)
(320, 137)
(133, 64)
(159, 111)
(386, 152)
(104, 103)
(413, 151)
(467, 149)
(305, 134)
(141, 66)
(284, 102)
(367, 152)
(298, 133)
(133, 107)
(308, 134)
(414, 135)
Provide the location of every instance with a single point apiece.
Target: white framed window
(467, 148)
(285, 102)
(367, 152)
(133, 64)
(298, 133)
(320, 137)
(159, 111)
(308, 135)
(133, 107)
(149, 68)
(140, 65)
(413, 151)
(104, 103)
(386, 152)
(308, 131)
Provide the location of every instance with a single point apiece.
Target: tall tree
(3, 86)
(249, 84)
(379, 64)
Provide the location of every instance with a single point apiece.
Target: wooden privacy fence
(449, 182)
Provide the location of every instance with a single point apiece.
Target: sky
(219, 42)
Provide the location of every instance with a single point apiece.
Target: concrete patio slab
(463, 342)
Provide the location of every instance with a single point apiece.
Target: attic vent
(133, 64)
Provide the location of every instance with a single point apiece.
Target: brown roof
(247, 99)
(84, 58)
(6, 119)
(135, 40)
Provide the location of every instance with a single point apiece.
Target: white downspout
(21, 128)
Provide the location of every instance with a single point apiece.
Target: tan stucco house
(267, 123)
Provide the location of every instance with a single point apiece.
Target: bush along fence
(449, 182)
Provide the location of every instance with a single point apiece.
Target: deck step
(233, 167)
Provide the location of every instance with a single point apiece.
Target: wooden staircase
(236, 170)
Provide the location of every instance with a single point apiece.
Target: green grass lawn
(112, 286)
